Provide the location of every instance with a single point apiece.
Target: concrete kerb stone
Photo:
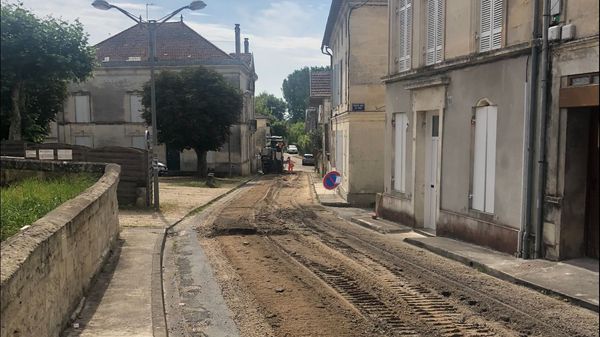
(500, 274)
(159, 319)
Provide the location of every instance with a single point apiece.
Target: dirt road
(289, 267)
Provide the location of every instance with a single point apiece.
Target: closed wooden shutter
(82, 109)
(435, 29)
(484, 166)
(405, 34)
(490, 32)
(401, 124)
(497, 15)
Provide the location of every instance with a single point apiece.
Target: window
(82, 108)
(138, 142)
(435, 31)
(484, 165)
(490, 28)
(135, 108)
(404, 14)
(83, 140)
(400, 127)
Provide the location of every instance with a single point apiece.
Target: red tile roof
(320, 84)
(174, 41)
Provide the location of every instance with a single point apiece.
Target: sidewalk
(575, 280)
(126, 299)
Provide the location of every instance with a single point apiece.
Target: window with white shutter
(400, 127)
(404, 13)
(484, 165)
(435, 31)
(82, 108)
(135, 108)
(491, 22)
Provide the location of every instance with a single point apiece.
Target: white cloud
(280, 34)
(275, 56)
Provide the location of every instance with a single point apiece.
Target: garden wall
(135, 165)
(47, 268)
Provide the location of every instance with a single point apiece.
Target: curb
(157, 303)
(502, 275)
(380, 229)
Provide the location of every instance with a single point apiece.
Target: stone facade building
(105, 110)
(457, 134)
(356, 37)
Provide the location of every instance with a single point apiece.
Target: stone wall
(47, 268)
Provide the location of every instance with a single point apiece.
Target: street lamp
(152, 26)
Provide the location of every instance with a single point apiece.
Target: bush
(30, 199)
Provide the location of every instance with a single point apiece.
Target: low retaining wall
(47, 268)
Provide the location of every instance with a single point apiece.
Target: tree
(296, 91)
(39, 57)
(279, 128)
(194, 110)
(269, 105)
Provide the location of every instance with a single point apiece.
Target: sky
(284, 34)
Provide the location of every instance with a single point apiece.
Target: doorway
(592, 219)
(173, 159)
(579, 223)
(431, 188)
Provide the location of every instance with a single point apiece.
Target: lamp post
(152, 25)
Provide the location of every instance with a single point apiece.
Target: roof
(336, 9)
(175, 41)
(320, 83)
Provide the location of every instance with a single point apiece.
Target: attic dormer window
(134, 59)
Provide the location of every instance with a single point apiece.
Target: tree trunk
(14, 131)
(201, 166)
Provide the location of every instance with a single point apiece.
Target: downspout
(541, 141)
(325, 51)
(524, 246)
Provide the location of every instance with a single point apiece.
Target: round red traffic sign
(332, 180)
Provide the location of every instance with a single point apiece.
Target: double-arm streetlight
(152, 25)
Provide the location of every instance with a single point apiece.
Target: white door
(431, 169)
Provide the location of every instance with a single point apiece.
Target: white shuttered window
(484, 166)
(400, 127)
(135, 109)
(490, 28)
(404, 13)
(435, 31)
(82, 109)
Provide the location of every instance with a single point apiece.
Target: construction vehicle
(271, 156)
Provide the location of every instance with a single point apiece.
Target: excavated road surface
(288, 267)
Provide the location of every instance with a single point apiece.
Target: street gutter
(159, 318)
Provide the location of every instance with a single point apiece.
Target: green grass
(26, 201)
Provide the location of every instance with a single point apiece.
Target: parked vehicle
(308, 159)
(162, 169)
(292, 149)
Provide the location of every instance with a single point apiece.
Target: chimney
(237, 39)
(246, 46)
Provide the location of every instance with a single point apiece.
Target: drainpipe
(541, 133)
(524, 244)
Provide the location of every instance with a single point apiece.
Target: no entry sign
(332, 180)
